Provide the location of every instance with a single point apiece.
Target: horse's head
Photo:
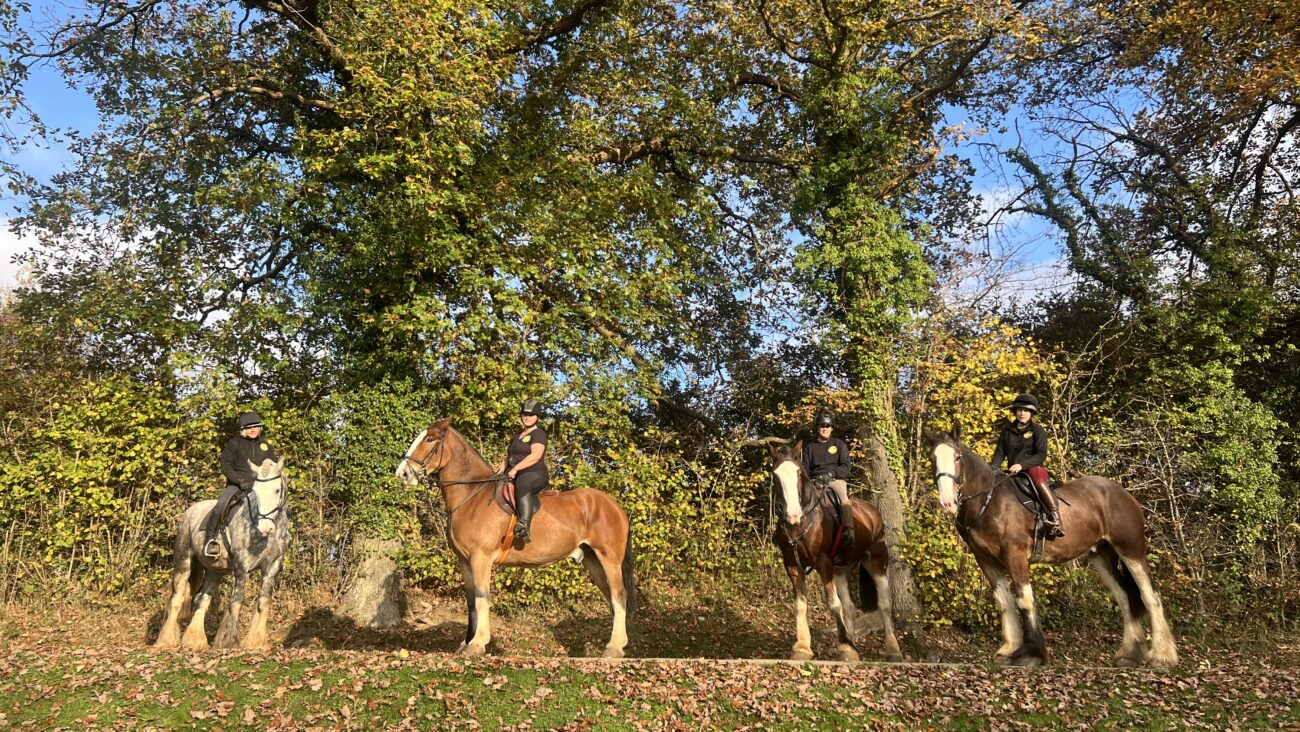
(945, 449)
(787, 467)
(426, 455)
(272, 493)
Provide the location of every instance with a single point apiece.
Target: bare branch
(258, 87)
(302, 14)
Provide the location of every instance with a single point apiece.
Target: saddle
(504, 495)
(1028, 497)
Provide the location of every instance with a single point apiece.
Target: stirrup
(212, 548)
(522, 533)
(1053, 528)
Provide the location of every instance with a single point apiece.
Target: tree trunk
(373, 596)
(890, 502)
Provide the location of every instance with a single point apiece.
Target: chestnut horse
(806, 537)
(1099, 518)
(582, 524)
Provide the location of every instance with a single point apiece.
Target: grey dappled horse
(254, 537)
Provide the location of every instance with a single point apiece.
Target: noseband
(960, 481)
(284, 498)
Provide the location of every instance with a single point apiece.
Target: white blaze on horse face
(945, 461)
(405, 472)
(788, 473)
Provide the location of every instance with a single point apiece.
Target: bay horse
(254, 537)
(1099, 518)
(806, 536)
(583, 524)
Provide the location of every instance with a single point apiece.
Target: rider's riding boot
(1051, 518)
(212, 547)
(846, 518)
(526, 504)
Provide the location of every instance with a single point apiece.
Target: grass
(75, 666)
(369, 690)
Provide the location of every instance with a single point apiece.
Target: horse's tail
(629, 586)
(867, 588)
(1120, 572)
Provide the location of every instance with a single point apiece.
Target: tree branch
(258, 87)
(302, 15)
(565, 24)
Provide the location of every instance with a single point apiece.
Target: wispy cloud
(11, 246)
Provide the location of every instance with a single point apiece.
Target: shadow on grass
(321, 626)
(668, 630)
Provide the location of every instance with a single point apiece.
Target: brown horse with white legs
(806, 537)
(1099, 518)
(582, 524)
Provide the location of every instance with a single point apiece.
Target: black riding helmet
(823, 420)
(249, 419)
(531, 406)
(1026, 401)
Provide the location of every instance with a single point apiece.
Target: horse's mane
(473, 450)
(971, 460)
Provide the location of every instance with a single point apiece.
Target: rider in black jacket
(827, 461)
(247, 446)
(1023, 445)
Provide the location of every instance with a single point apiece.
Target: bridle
(809, 509)
(959, 480)
(424, 464)
(436, 476)
(284, 499)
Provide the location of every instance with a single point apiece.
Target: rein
(438, 481)
(963, 498)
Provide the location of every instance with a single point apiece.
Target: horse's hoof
(848, 655)
(1027, 661)
(167, 639)
(612, 653)
(894, 657)
(1126, 662)
(473, 649)
(1162, 663)
(1004, 659)
(801, 654)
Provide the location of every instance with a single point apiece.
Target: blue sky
(58, 106)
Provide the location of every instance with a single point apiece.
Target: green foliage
(90, 486)
(372, 428)
(948, 579)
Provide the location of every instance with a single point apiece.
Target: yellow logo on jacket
(263, 446)
(526, 438)
(832, 449)
(1027, 435)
